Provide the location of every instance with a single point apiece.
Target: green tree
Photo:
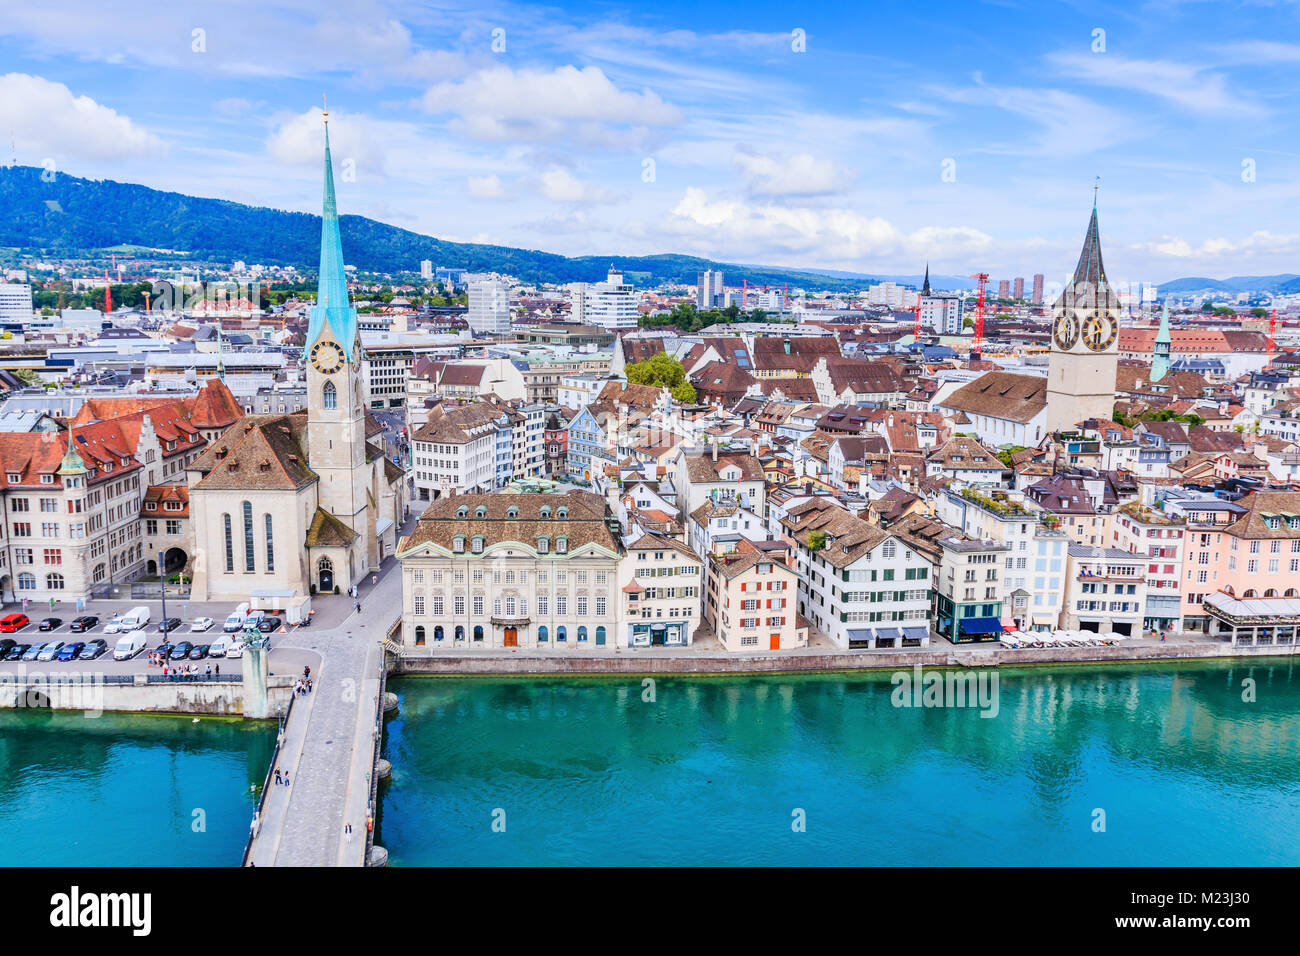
(816, 540)
(663, 371)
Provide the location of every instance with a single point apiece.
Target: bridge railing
(254, 826)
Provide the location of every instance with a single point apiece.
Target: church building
(288, 505)
(1085, 350)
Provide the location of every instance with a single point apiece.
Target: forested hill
(74, 217)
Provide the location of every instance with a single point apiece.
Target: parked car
(165, 648)
(33, 651)
(268, 624)
(50, 623)
(6, 646)
(130, 644)
(199, 652)
(235, 622)
(71, 650)
(84, 623)
(18, 652)
(93, 650)
(201, 624)
(181, 651)
(169, 624)
(50, 651)
(13, 622)
(116, 626)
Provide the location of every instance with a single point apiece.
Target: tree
(816, 540)
(968, 323)
(1258, 312)
(662, 371)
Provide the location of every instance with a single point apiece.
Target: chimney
(715, 450)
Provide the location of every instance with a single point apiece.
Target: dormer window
(561, 513)
(543, 545)
(561, 545)
(545, 512)
(47, 479)
(477, 545)
(151, 506)
(480, 511)
(462, 512)
(458, 544)
(512, 513)
(13, 476)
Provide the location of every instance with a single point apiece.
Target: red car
(13, 622)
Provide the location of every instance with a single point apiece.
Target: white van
(236, 620)
(129, 645)
(253, 618)
(134, 619)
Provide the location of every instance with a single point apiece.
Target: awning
(916, 633)
(980, 625)
(859, 635)
(888, 634)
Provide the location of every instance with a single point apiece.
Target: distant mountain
(76, 217)
(1283, 283)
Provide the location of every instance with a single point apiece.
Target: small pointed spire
(1163, 347)
(332, 309)
(221, 353)
(72, 463)
(925, 289)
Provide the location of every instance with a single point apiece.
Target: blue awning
(859, 635)
(980, 625)
(916, 633)
(888, 634)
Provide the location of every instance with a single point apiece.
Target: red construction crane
(1272, 328)
(978, 339)
(916, 332)
(108, 294)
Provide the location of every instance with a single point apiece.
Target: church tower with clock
(1085, 350)
(336, 415)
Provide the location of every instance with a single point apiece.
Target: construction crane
(916, 331)
(1272, 329)
(978, 339)
(108, 294)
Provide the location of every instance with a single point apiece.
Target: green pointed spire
(332, 307)
(1164, 344)
(72, 463)
(221, 352)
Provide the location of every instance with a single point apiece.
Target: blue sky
(968, 135)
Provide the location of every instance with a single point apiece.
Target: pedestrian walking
(278, 781)
(286, 778)
(218, 670)
(358, 607)
(209, 672)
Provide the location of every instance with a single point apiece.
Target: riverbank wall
(498, 665)
(221, 698)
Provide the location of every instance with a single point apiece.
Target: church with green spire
(287, 506)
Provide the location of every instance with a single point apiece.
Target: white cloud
(1188, 86)
(1260, 243)
(559, 185)
(800, 174)
(831, 235)
(354, 141)
(49, 121)
(486, 187)
(505, 104)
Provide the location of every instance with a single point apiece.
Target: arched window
(542, 634)
(480, 511)
(582, 632)
(462, 511)
(560, 634)
(26, 582)
(1227, 589)
(419, 634)
(1248, 593)
(325, 564)
(331, 396)
(270, 550)
(512, 512)
(561, 513)
(545, 512)
(600, 635)
(460, 633)
(1290, 592)
(54, 582)
(248, 537)
(478, 632)
(230, 543)
(1271, 592)
(437, 633)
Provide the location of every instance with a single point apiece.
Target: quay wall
(212, 698)
(813, 662)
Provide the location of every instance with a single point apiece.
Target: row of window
(249, 544)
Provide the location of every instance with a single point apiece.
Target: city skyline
(772, 138)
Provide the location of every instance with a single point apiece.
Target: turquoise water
(123, 790)
(714, 771)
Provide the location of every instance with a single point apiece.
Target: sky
(862, 137)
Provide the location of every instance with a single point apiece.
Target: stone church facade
(288, 505)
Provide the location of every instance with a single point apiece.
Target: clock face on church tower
(1065, 332)
(1098, 331)
(326, 358)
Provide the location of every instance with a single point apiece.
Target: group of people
(303, 685)
(178, 671)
